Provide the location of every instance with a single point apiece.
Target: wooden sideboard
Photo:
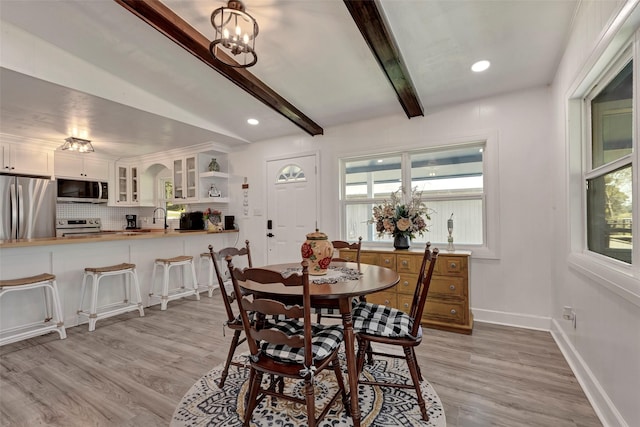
(448, 301)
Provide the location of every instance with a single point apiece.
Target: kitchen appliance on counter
(70, 227)
(27, 207)
(132, 222)
(82, 191)
(191, 221)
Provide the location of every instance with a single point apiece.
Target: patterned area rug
(207, 405)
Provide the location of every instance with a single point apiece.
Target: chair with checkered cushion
(290, 347)
(375, 323)
(233, 322)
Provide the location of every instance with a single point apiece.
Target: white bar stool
(205, 257)
(95, 312)
(47, 282)
(167, 294)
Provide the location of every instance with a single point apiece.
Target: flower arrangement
(399, 217)
(209, 213)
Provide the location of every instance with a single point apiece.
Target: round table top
(373, 279)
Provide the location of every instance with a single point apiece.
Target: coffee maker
(132, 222)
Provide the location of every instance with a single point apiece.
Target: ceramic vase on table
(401, 242)
(318, 251)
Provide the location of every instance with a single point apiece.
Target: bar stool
(167, 294)
(205, 258)
(47, 282)
(95, 312)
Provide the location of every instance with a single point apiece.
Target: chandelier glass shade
(235, 36)
(77, 144)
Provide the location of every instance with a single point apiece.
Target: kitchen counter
(110, 236)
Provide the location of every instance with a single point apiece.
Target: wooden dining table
(372, 278)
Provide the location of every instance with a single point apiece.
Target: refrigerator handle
(21, 224)
(14, 210)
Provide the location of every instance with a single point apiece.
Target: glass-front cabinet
(128, 185)
(185, 183)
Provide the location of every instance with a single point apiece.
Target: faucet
(165, 216)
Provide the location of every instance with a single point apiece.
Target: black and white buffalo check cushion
(324, 341)
(383, 321)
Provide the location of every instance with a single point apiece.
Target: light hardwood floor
(133, 371)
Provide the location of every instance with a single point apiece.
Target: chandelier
(77, 144)
(235, 37)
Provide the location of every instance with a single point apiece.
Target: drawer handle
(387, 261)
(387, 302)
(405, 263)
(406, 305)
(405, 283)
(453, 265)
(452, 287)
(453, 311)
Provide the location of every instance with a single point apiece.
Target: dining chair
(334, 313)
(341, 244)
(233, 322)
(375, 323)
(284, 346)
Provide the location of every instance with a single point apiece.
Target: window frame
(489, 196)
(617, 276)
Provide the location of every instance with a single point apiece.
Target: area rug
(205, 404)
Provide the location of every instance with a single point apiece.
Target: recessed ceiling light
(379, 160)
(480, 66)
(253, 121)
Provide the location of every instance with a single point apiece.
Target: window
(452, 179)
(609, 170)
(173, 211)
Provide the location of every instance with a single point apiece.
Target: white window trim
(491, 173)
(618, 277)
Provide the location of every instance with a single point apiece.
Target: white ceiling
(94, 66)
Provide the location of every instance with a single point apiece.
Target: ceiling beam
(378, 36)
(163, 19)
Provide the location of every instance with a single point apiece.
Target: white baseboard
(517, 320)
(604, 407)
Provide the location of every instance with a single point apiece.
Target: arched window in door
(290, 173)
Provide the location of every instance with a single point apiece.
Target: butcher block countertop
(106, 237)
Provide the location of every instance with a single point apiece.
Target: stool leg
(194, 279)
(82, 292)
(153, 280)
(47, 305)
(93, 311)
(126, 283)
(210, 277)
(57, 310)
(136, 290)
(165, 288)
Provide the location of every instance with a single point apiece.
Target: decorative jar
(318, 251)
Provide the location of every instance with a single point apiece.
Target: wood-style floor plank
(133, 371)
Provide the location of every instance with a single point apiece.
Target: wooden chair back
(255, 309)
(341, 244)
(422, 287)
(222, 254)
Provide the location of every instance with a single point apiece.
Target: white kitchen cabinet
(185, 179)
(26, 159)
(127, 185)
(78, 165)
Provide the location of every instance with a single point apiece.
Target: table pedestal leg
(349, 347)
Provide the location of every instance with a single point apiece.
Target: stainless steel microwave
(78, 191)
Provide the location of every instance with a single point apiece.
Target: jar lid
(317, 235)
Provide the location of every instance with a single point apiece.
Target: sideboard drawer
(367, 258)
(447, 286)
(408, 263)
(387, 260)
(387, 298)
(407, 284)
(404, 302)
(444, 311)
(447, 265)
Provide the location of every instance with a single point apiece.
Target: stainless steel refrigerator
(27, 207)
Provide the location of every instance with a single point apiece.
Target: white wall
(514, 289)
(604, 348)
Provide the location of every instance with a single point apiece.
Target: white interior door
(292, 206)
